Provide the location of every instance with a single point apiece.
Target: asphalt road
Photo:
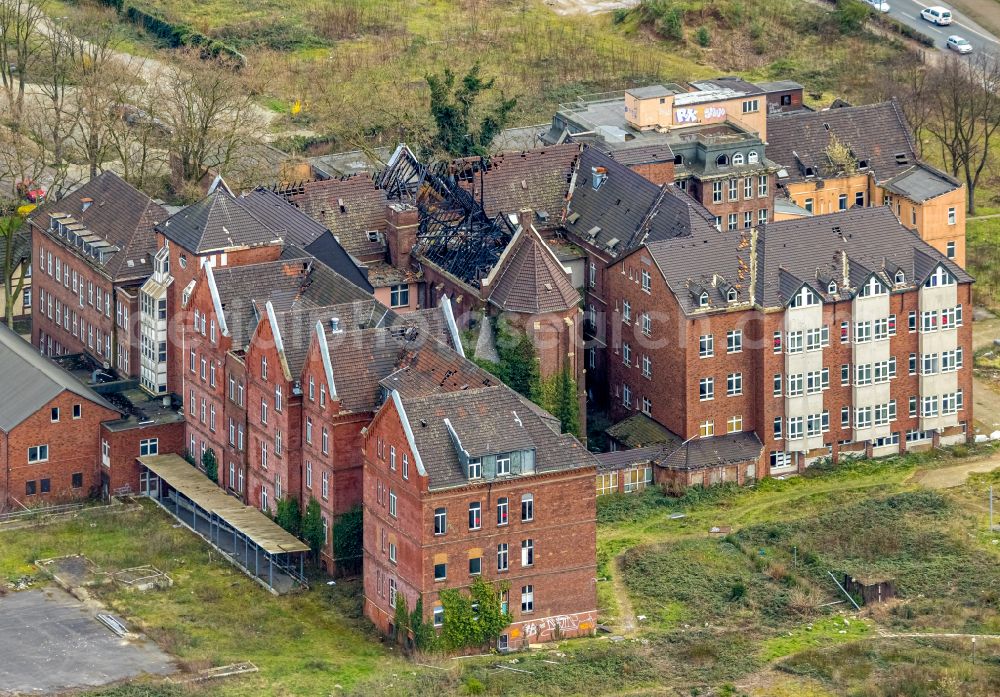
(908, 12)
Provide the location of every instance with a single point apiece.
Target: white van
(936, 15)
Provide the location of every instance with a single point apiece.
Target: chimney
(403, 220)
(334, 324)
(525, 216)
(598, 176)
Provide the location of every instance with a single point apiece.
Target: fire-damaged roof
(109, 214)
(536, 180)
(455, 232)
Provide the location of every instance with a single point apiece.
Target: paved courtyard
(51, 642)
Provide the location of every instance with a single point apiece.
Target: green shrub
(704, 37)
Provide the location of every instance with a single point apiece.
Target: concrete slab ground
(50, 642)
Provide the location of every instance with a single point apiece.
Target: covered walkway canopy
(256, 543)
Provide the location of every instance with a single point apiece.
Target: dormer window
(475, 468)
(940, 277)
(703, 299)
(900, 277)
(873, 287)
(678, 159)
(809, 172)
(722, 160)
(737, 159)
(832, 288)
(731, 295)
(503, 464)
(804, 298)
(752, 157)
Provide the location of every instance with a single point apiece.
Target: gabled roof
(627, 209)
(288, 284)
(699, 453)
(875, 133)
(113, 210)
(279, 215)
(348, 207)
(328, 250)
(529, 278)
(872, 239)
(498, 419)
(217, 222)
(29, 381)
(614, 210)
(537, 179)
(432, 367)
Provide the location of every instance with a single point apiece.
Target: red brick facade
(562, 529)
(71, 469)
(122, 444)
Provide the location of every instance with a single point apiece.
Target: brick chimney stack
(525, 217)
(403, 221)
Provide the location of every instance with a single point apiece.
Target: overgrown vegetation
(474, 619)
(348, 540)
(452, 108)
(210, 464)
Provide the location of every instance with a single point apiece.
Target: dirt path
(954, 475)
(626, 615)
(587, 7)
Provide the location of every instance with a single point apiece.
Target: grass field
(358, 66)
(743, 613)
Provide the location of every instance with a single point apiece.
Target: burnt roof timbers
(455, 232)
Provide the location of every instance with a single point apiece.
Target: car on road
(957, 43)
(936, 15)
(879, 5)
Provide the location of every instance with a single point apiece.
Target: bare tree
(55, 116)
(20, 27)
(964, 95)
(22, 159)
(137, 137)
(97, 73)
(906, 81)
(209, 109)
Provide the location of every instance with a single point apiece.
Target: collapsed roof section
(455, 234)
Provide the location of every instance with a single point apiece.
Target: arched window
(752, 157)
(737, 159)
(722, 160)
(678, 159)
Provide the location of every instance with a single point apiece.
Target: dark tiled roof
(533, 179)
(810, 248)
(717, 450)
(118, 213)
(690, 264)
(329, 251)
(639, 430)
(360, 360)
(434, 367)
(494, 414)
(921, 183)
(876, 133)
(21, 248)
(363, 210)
(298, 325)
(219, 221)
(622, 459)
(641, 155)
(279, 215)
(617, 208)
(288, 284)
(530, 279)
